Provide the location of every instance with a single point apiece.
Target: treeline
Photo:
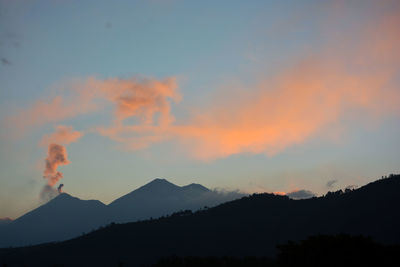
(321, 250)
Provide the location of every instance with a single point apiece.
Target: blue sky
(212, 49)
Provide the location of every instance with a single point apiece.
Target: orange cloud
(141, 109)
(296, 105)
(357, 78)
(140, 98)
(63, 135)
(355, 74)
(54, 110)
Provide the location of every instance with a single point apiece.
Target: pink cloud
(63, 135)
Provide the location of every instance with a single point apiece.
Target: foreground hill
(316, 251)
(66, 217)
(251, 226)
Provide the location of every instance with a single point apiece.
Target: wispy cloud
(5, 62)
(63, 135)
(331, 183)
(49, 110)
(351, 76)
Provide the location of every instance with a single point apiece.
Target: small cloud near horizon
(351, 187)
(331, 183)
(301, 194)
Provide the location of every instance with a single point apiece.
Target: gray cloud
(108, 25)
(5, 62)
(351, 187)
(330, 183)
(301, 194)
(48, 193)
(10, 38)
(214, 197)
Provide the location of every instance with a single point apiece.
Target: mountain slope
(160, 197)
(251, 226)
(66, 217)
(5, 221)
(61, 218)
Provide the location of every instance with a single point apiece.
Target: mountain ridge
(157, 198)
(250, 226)
(162, 197)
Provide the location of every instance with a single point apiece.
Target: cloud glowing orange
(354, 75)
(63, 135)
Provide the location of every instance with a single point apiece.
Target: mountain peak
(159, 184)
(197, 187)
(63, 197)
(159, 181)
(66, 199)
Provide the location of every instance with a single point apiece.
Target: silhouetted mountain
(160, 197)
(5, 221)
(251, 226)
(195, 188)
(66, 217)
(61, 218)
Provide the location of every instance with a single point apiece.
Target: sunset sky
(259, 96)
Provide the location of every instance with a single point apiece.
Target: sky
(256, 96)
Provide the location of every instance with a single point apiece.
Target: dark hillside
(251, 226)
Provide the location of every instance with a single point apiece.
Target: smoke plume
(59, 188)
(56, 156)
(48, 193)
